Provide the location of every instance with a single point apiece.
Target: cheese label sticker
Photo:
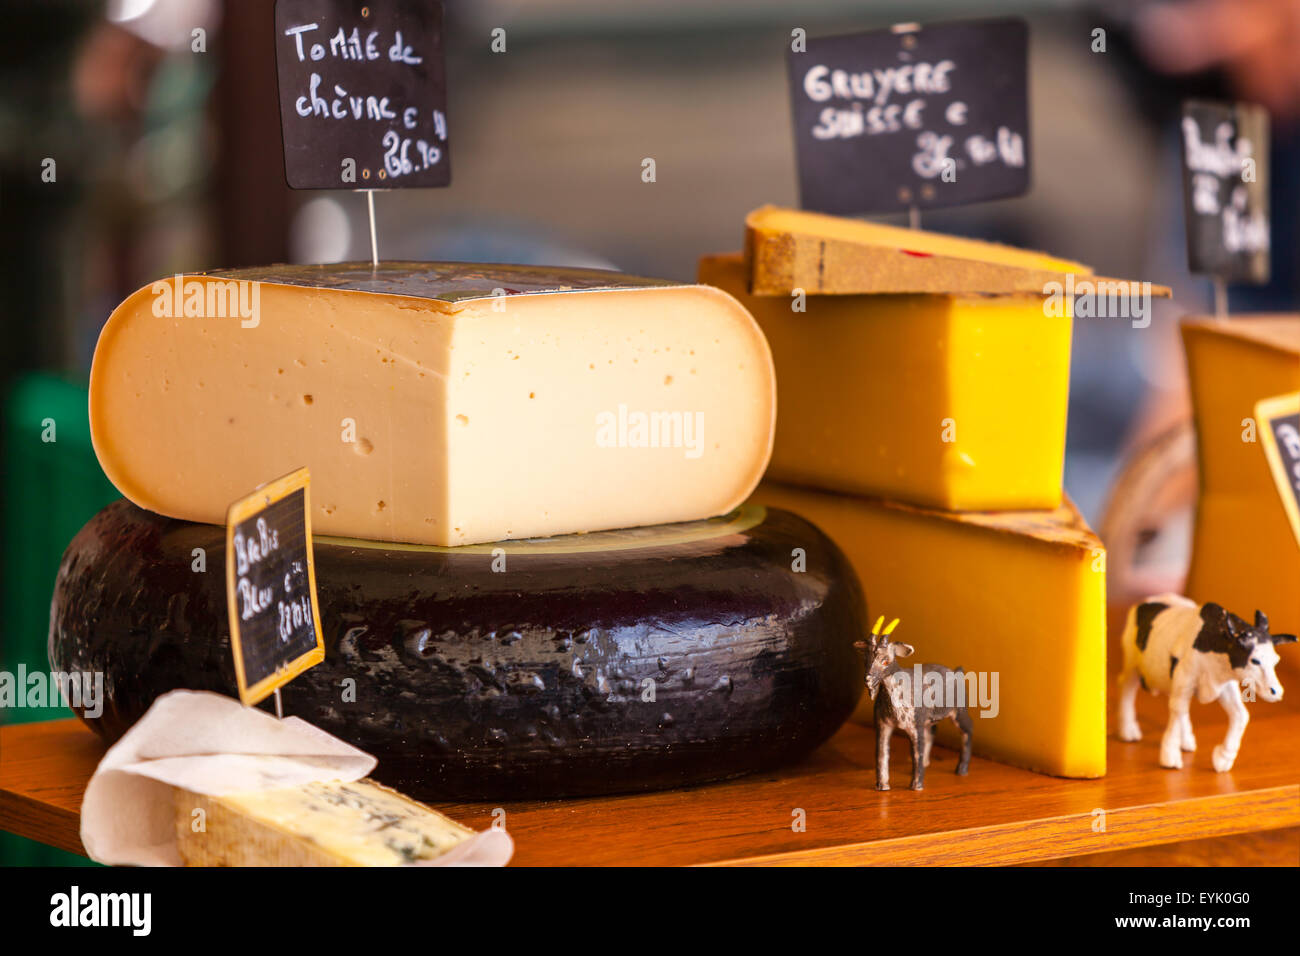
(911, 116)
(1225, 190)
(363, 94)
(1278, 420)
(271, 586)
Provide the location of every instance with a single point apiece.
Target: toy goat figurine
(901, 706)
(1174, 646)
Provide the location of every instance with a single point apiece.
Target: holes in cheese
(1244, 554)
(431, 410)
(945, 401)
(1018, 594)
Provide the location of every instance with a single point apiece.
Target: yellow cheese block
(1018, 594)
(945, 401)
(361, 823)
(436, 403)
(1244, 554)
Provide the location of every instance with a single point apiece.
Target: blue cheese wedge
(361, 823)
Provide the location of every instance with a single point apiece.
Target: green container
(53, 485)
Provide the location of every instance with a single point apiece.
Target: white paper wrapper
(214, 745)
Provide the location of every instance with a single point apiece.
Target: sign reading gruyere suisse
(1225, 190)
(1278, 420)
(271, 586)
(363, 94)
(911, 116)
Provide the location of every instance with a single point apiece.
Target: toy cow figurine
(1175, 646)
(900, 706)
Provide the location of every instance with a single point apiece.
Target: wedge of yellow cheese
(1019, 595)
(947, 401)
(788, 249)
(436, 403)
(1244, 554)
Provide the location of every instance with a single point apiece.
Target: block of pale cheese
(940, 400)
(788, 249)
(333, 823)
(441, 403)
(1018, 598)
(1244, 553)
(623, 660)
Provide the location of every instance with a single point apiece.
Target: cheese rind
(789, 249)
(945, 401)
(361, 823)
(516, 670)
(432, 411)
(1244, 554)
(1019, 594)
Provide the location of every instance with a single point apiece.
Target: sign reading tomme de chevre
(363, 94)
(1278, 420)
(1225, 190)
(912, 116)
(271, 586)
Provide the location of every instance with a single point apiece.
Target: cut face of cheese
(788, 249)
(1018, 594)
(361, 823)
(431, 410)
(946, 401)
(1244, 554)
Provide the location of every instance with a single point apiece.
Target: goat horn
(879, 621)
(890, 630)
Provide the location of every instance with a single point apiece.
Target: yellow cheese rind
(362, 823)
(1244, 554)
(1022, 594)
(788, 249)
(436, 422)
(954, 402)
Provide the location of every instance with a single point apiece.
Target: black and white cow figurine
(1177, 647)
(900, 707)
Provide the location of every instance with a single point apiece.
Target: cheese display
(435, 403)
(1244, 553)
(1017, 598)
(941, 400)
(788, 249)
(598, 663)
(361, 823)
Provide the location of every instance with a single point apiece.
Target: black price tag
(912, 117)
(363, 95)
(1278, 420)
(1225, 190)
(271, 586)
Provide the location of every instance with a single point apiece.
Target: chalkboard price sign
(271, 586)
(363, 95)
(1278, 420)
(912, 117)
(1225, 190)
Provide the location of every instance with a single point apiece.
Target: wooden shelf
(996, 815)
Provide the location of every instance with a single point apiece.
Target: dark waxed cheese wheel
(620, 661)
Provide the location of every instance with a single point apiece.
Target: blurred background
(167, 158)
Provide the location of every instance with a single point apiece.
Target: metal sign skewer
(374, 244)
